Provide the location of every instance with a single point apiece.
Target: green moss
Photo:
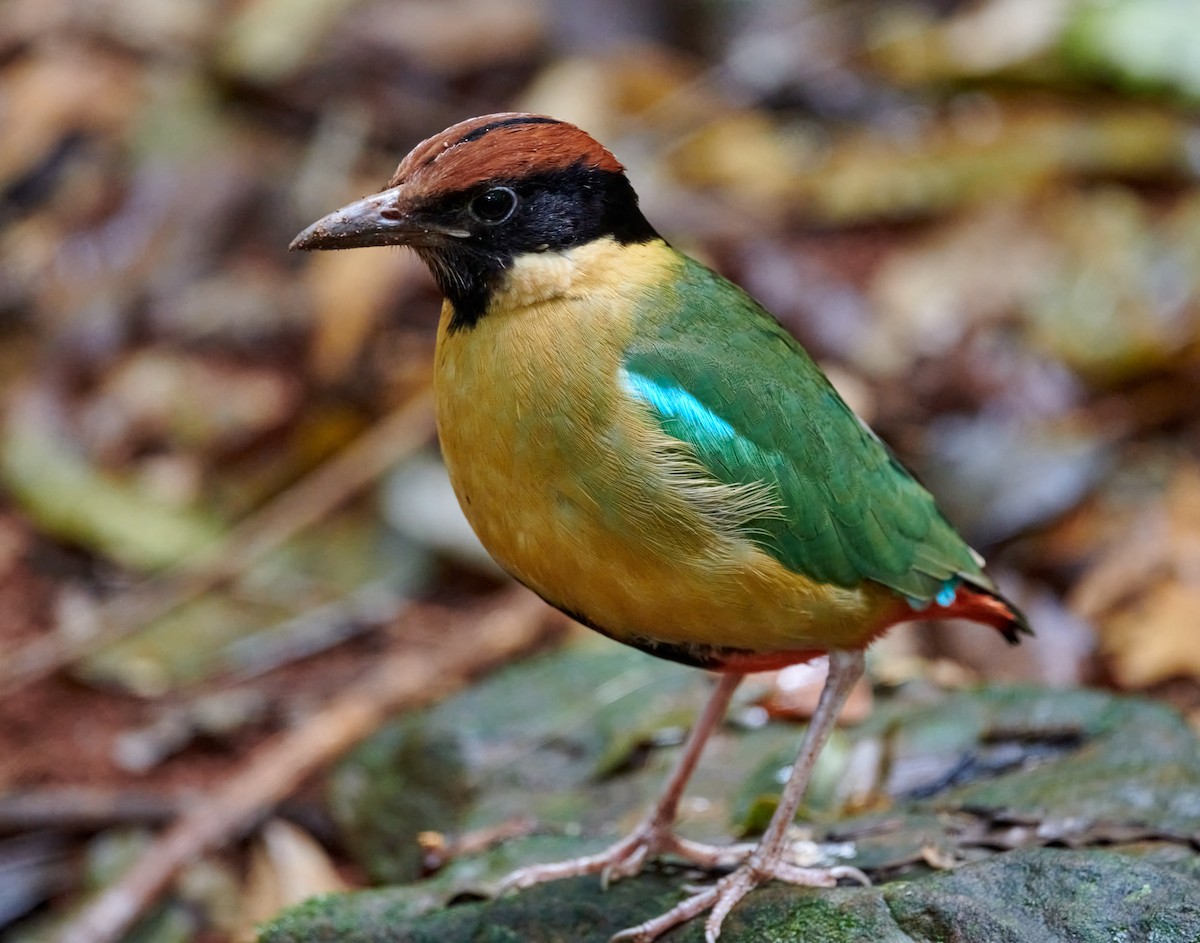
(1122, 762)
(786, 915)
(1032, 896)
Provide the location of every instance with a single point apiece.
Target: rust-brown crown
(503, 146)
(473, 198)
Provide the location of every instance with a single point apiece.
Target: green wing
(723, 376)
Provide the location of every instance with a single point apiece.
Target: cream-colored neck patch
(538, 277)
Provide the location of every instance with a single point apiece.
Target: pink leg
(653, 836)
(766, 862)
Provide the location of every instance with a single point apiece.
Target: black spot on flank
(708, 657)
(477, 133)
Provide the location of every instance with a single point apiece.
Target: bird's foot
(722, 897)
(628, 856)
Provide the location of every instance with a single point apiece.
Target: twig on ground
(84, 807)
(283, 763)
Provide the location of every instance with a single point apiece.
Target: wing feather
(761, 415)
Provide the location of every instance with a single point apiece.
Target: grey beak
(378, 220)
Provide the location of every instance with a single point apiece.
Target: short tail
(984, 604)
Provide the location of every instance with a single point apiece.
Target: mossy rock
(1053, 815)
(1041, 895)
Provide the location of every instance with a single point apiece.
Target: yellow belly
(562, 475)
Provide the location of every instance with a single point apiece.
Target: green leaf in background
(1142, 45)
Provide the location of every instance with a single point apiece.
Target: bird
(642, 444)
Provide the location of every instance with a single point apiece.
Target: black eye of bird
(494, 205)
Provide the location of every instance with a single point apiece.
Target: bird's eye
(494, 205)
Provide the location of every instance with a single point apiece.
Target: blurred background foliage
(981, 217)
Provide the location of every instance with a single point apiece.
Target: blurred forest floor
(220, 502)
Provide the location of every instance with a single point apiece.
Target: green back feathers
(721, 375)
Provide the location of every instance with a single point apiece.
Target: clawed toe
(620, 860)
(627, 858)
(720, 898)
(624, 867)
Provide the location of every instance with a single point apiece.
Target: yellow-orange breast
(572, 487)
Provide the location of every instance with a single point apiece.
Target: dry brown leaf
(606, 94)
(287, 866)
(1007, 152)
(747, 157)
(1135, 560)
(190, 399)
(1104, 311)
(1156, 638)
(938, 858)
(449, 35)
(61, 90)
(268, 40)
(930, 293)
(350, 292)
(1144, 592)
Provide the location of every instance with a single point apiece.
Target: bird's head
(475, 198)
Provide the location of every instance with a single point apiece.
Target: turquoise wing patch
(680, 413)
(718, 373)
